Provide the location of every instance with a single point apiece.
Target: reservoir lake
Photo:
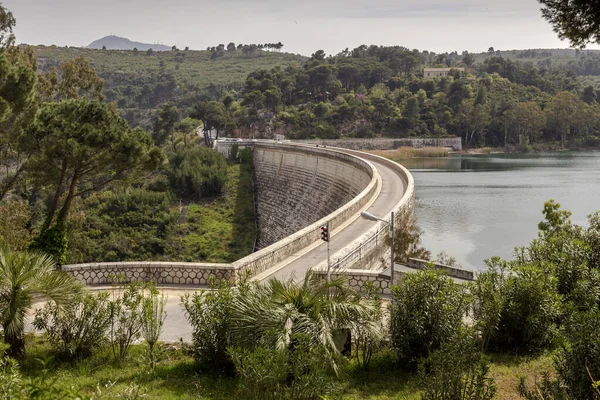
(474, 207)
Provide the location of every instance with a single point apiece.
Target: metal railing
(365, 249)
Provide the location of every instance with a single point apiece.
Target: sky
(303, 26)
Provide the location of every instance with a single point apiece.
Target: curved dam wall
(342, 186)
(297, 186)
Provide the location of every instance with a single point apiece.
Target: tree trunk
(17, 345)
(64, 212)
(55, 200)
(10, 182)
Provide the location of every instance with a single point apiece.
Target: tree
(575, 20)
(164, 124)
(231, 47)
(562, 114)
(475, 119)
(83, 146)
(74, 79)
(23, 274)
(468, 58)
(213, 116)
(149, 52)
(7, 23)
(525, 122)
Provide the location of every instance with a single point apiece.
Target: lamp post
(371, 217)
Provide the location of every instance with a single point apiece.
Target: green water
(475, 207)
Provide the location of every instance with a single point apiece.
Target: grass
(177, 377)
(403, 153)
(222, 229)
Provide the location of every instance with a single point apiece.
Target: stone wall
(296, 186)
(158, 272)
(387, 143)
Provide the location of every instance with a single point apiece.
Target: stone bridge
(299, 188)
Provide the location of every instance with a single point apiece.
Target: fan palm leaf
(23, 275)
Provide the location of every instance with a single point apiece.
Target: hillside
(140, 81)
(113, 42)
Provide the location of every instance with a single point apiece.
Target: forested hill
(140, 81)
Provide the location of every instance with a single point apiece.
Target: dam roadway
(392, 189)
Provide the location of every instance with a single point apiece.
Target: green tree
(575, 20)
(23, 274)
(525, 122)
(474, 119)
(75, 79)
(562, 114)
(83, 146)
(165, 121)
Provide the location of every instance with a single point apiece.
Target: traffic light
(325, 233)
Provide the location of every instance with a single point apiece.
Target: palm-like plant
(275, 313)
(23, 274)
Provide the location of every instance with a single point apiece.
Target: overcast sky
(303, 26)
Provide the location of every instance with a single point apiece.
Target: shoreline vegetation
(404, 153)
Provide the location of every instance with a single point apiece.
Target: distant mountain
(113, 42)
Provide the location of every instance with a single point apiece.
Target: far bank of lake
(477, 206)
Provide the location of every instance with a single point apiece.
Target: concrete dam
(298, 189)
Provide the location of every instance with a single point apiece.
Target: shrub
(427, 310)
(266, 373)
(457, 371)
(578, 361)
(152, 318)
(197, 172)
(125, 320)
(79, 327)
(209, 313)
(531, 310)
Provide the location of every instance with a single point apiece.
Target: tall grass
(403, 153)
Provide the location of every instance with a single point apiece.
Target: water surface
(475, 207)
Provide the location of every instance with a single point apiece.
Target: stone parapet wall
(451, 271)
(387, 143)
(158, 272)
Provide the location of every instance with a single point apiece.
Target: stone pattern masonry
(296, 188)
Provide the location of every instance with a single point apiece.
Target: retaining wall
(387, 143)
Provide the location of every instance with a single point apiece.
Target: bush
(578, 361)
(531, 310)
(78, 328)
(266, 373)
(152, 318)
(457, 371)
(125, 321)
(209, 313)
(197, 172)
(427, 310)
